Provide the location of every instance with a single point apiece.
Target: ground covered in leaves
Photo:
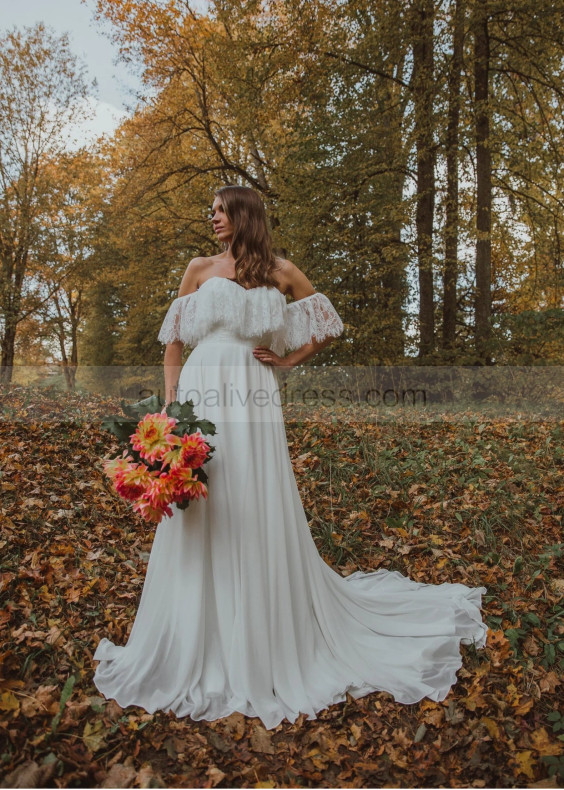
(465, 500)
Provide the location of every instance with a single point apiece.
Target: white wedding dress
(239, 612)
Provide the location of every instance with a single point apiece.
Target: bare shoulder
(292, 280)
(193, 275)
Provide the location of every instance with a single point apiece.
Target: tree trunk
(76, 314)
(393, 297)
(69, 366)
(423, 92)
(7, 360)
(451, 224)
(12, 284)
(482, 299)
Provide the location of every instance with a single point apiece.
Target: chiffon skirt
(239, 612)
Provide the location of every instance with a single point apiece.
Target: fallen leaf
(524, 762)
(491, 727)
(147, 777)
(434, 717)
(94, 736)
(54, 634)
(542, 743)
(30, 774)
(261, 740)
(524, 706)
(119, 775)
(549, 682)
(420, 734)
(356, 731)
(9, 702)
(235, 725)
(531, 646)
(215, 775)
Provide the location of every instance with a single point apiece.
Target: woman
(239, 612)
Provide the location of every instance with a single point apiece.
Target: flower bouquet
(163, 462)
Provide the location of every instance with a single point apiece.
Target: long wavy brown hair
(251, 244)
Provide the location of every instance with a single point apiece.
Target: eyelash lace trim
(255, 313)
(312, 317)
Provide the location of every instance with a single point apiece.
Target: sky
(118, 84)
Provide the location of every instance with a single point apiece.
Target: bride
(239, 612)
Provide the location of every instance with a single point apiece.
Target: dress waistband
(224, 336)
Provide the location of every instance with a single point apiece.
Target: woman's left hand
(266, 355)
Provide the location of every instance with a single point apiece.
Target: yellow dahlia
(113, 466)
(153, 437)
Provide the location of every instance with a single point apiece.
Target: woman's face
(221, 225)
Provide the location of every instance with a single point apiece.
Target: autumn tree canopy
(408, 155)
(42, 87)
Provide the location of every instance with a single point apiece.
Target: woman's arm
(306, 352)
(294, 281)
(172, 368)
(173, 351)
(302, 354)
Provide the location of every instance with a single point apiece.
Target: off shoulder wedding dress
(239, 612)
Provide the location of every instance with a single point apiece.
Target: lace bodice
(257, 313)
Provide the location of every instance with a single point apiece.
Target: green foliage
(556, 718)
(532, 336)
(555, 765)
(187, 422)
(65, 696)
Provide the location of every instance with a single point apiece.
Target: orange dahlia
(149, 512)
(132, 482)
(192, 452)
(186, 485)
(161, 492)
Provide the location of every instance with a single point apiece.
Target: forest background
(409, 155)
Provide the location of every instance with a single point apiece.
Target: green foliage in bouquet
(188, 423)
